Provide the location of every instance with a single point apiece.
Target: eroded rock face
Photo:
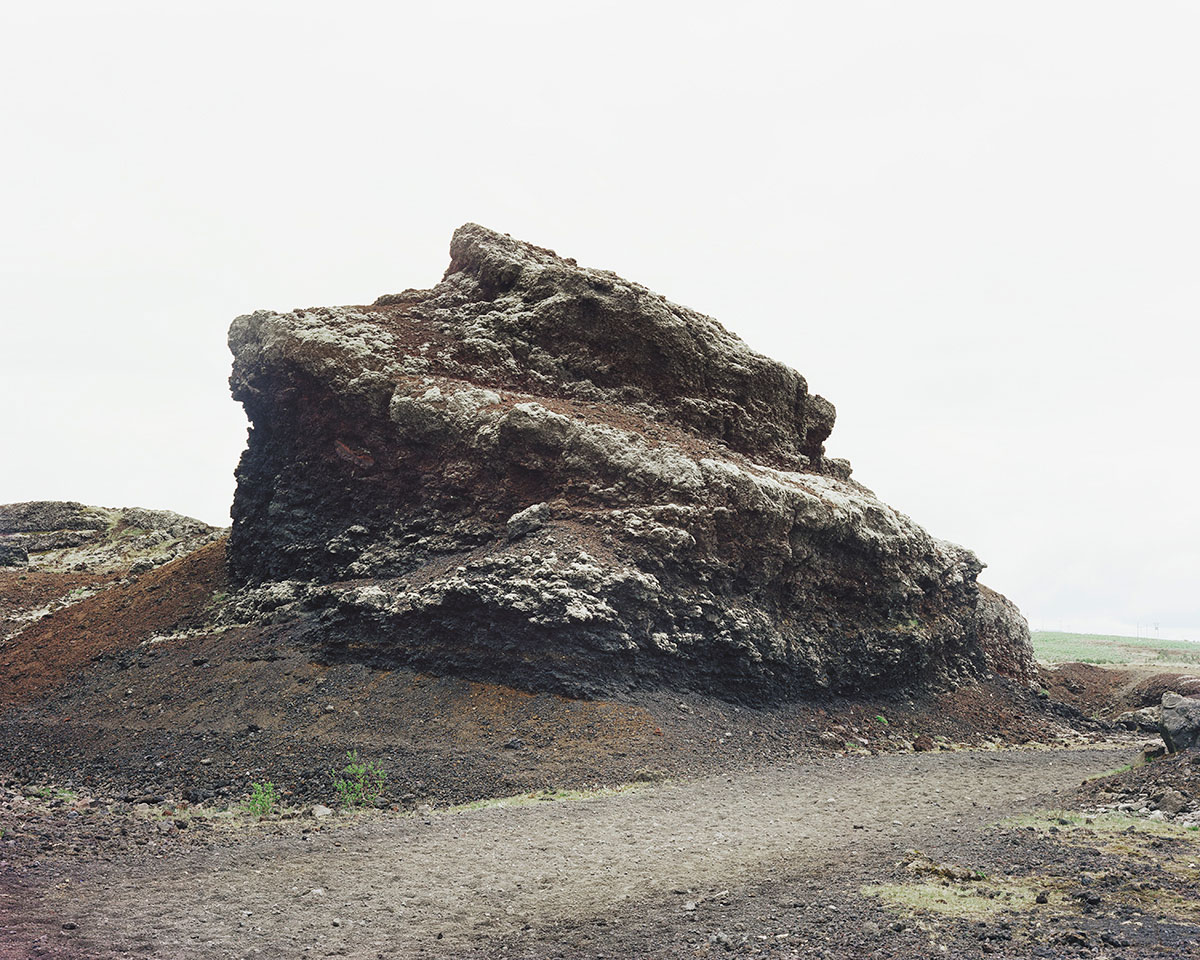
(13, 553)
(551, 476)
(1003, 634)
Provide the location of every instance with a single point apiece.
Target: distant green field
(1093, 648)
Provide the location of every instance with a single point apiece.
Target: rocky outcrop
(1145, 720)
(1003, 635)
(1180, 722)
(13, 553)
(61, 535)
(551, 476)
(42, 516)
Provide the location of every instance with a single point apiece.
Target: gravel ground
(663, 825)
(768, 863)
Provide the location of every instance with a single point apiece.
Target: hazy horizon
(973, 230)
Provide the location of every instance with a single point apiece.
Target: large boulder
(1003, 635)
(1145, 720)
(550, 476)
(1180, 722)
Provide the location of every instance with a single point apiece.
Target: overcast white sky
(974, 227)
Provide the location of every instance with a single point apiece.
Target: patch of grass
(263, 797)
(1066, 823)
(970, 901)
(1166, 903)
(1053, 647)
(1173, 847)
(53, 793)
(360, 783)
(1111, 773)
(1148, 865)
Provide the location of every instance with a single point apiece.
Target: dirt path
(654, 865)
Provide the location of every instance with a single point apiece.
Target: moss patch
(980, 900)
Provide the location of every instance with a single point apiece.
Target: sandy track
(514, 878)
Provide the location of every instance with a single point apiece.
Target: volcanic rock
(1003, 635)
(547, 475)
(47, 515)
(1180, 723)
(54, 534)
(1147, 719)
(13, 553)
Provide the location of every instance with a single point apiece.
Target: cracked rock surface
(552, 477)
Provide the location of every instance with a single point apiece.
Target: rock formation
(550, 476)
(13, 553)
(55, 534)
(1180, 722)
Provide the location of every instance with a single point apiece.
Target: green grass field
(1093, 648)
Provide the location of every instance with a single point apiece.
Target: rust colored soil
(23, 590)
(55, 648)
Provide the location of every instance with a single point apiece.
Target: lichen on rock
(548, 475)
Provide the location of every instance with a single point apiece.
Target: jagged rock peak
(592, 335)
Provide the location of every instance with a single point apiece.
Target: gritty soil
(131, 731)
(55, 648)
(786, 861)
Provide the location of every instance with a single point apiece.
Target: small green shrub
(359, 783)
(263, 797)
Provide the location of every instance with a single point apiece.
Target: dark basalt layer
(549, 476)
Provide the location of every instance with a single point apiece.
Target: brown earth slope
(176, 596)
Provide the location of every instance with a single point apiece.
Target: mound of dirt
(70, 552)
(1108, 692)
(552, 477)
